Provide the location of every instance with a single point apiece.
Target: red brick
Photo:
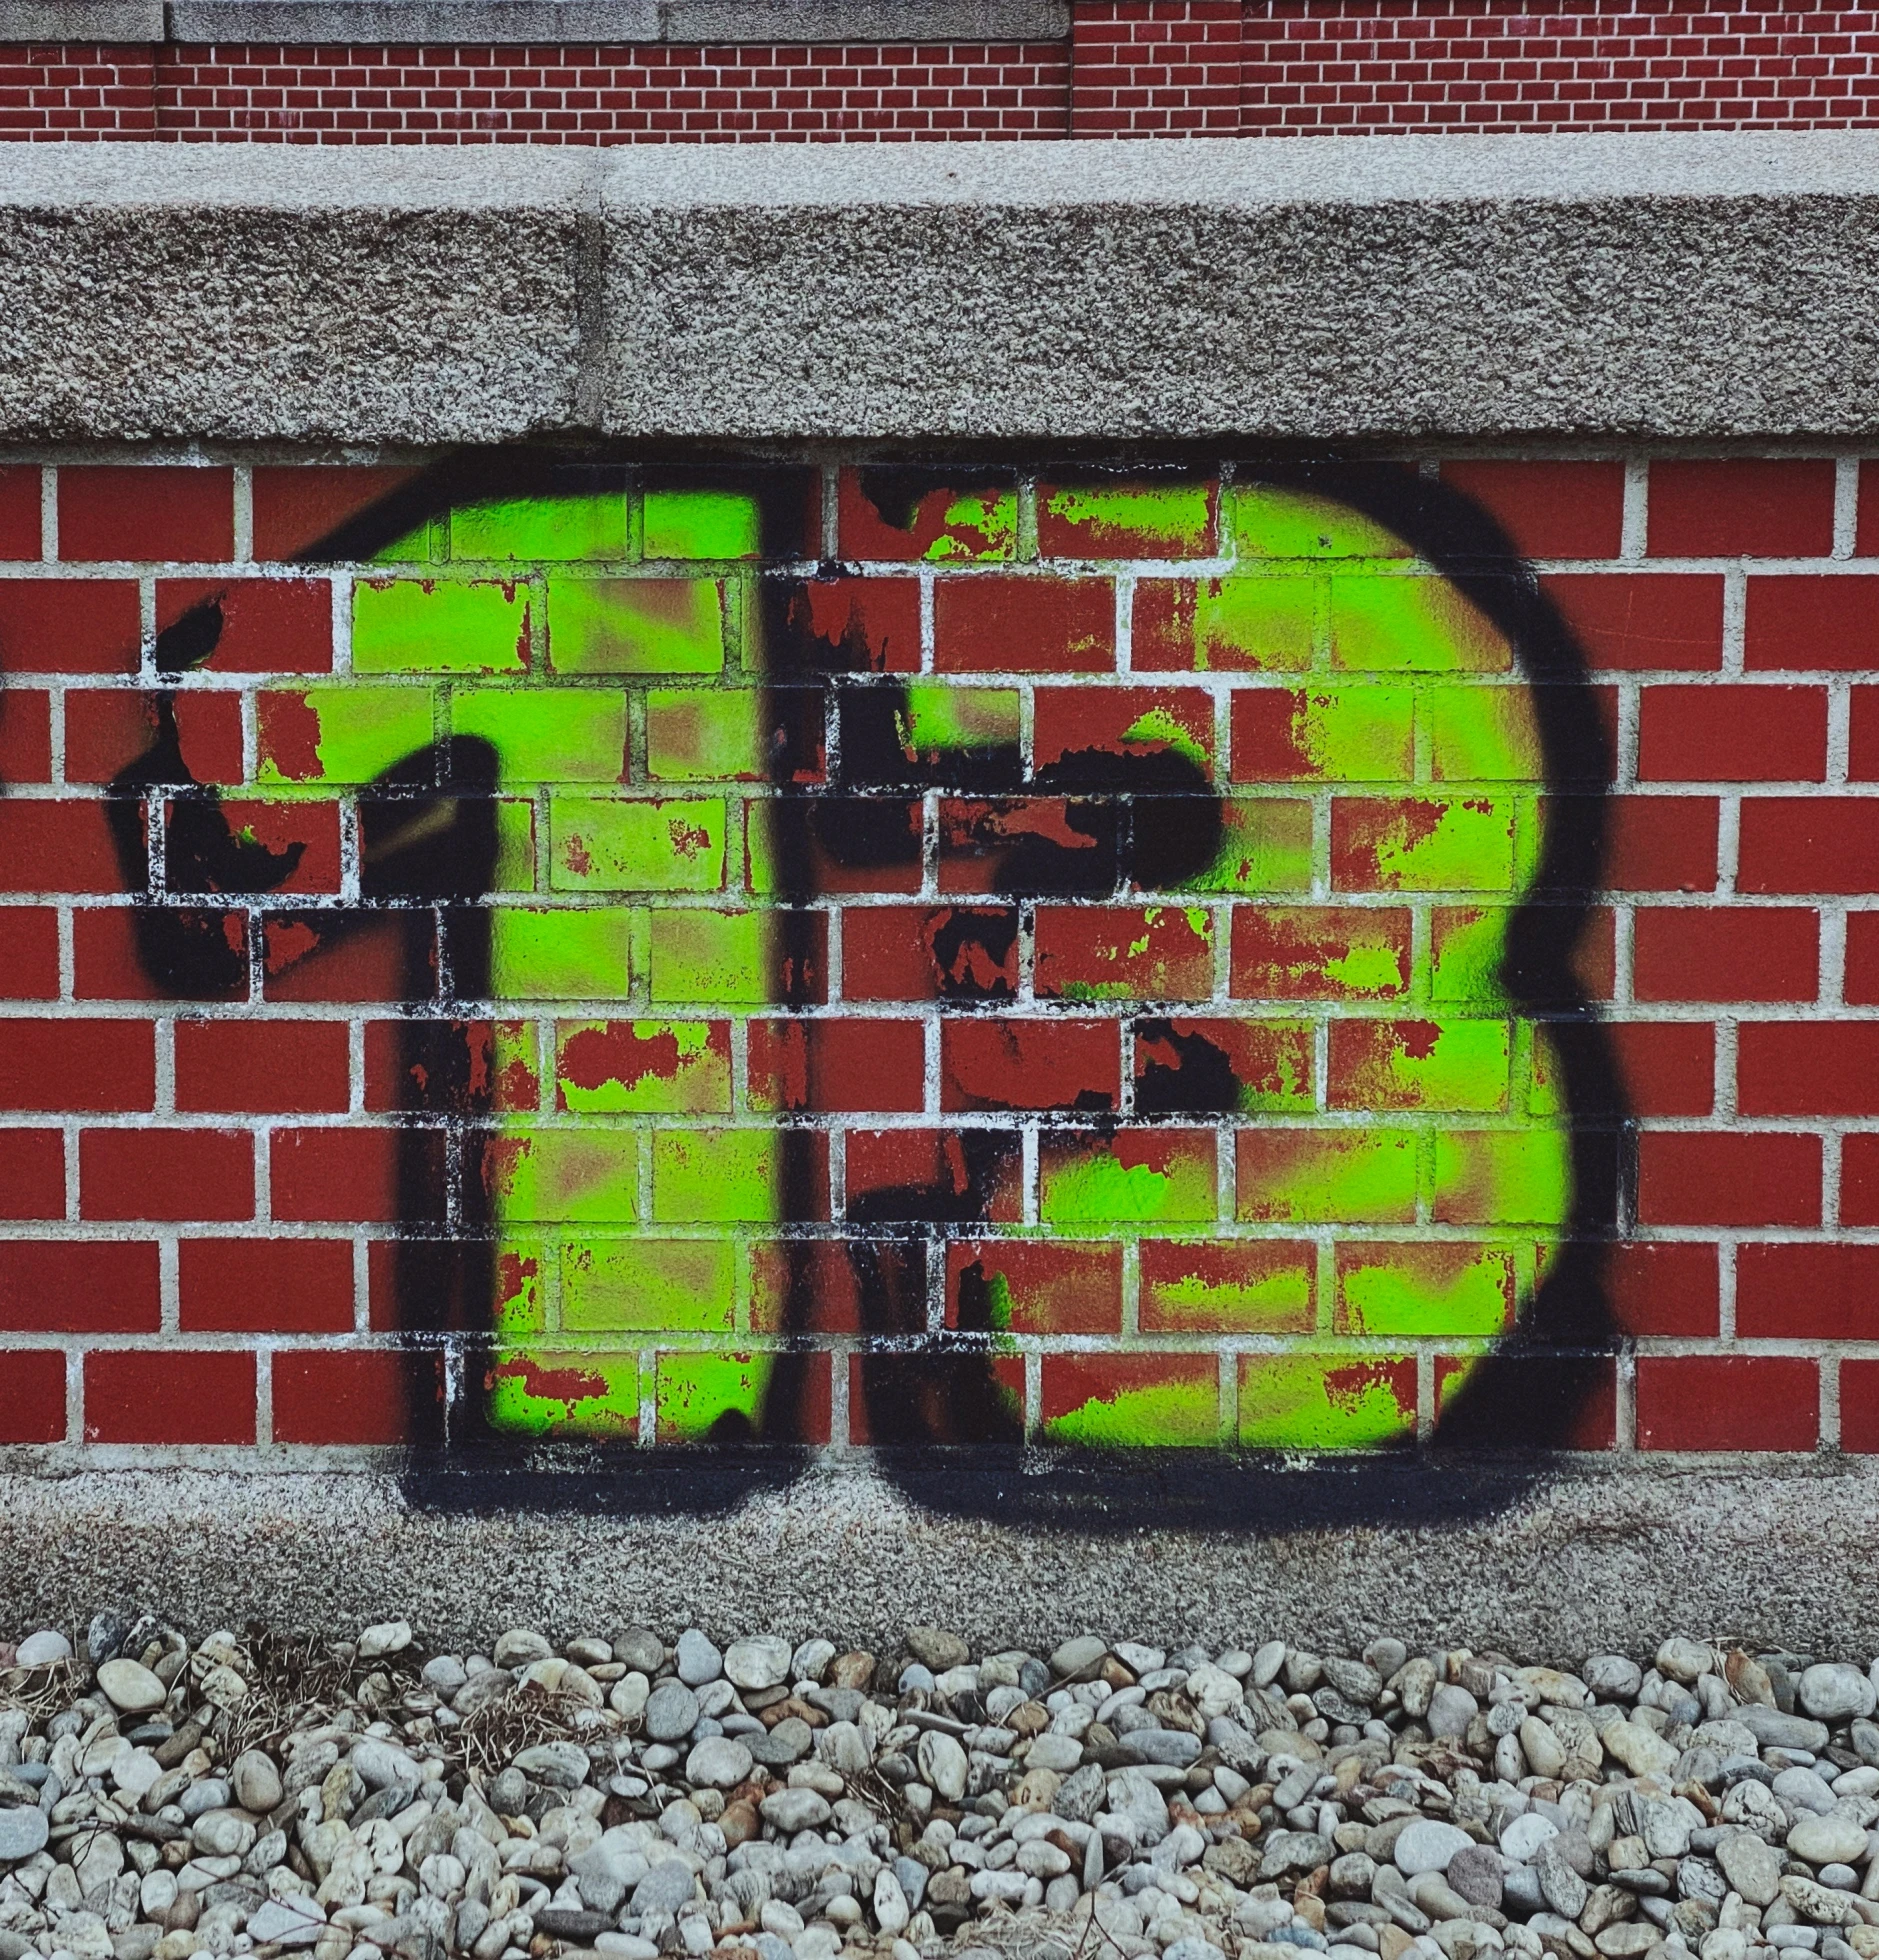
(898, 1400)
(32, 1174)
(32, 1396)
(1025, 1287)
(1295, 952)
(107, 729)
(77, 1065)
(157, 1173)
(1269, 1064)
(1808, 844)
(989, 1062)
(1671, 1288)
(308, 828)
(1808, 1068)
(144, 510)
(1164, 636)
(1801, 619)
(1122, 721)
(1580, 1392)
(1862, 760)
(1637, 621)
(1072, 1380)
(266, 1286)
(443, 1285)
(1191, 1288)
(87, 1286)
(30, 970)
(108, 965)
(1549, 510)
(263, 1067)
(911, 952)
(865, 533)
(465, 1068)
(853, 625)
(1714, 733)
(1859, 1406)
(1727, 1402)
(353, 1175)
(1725, 953)
(1807, 1292)
(837, 1066)
(56, 846)
(931, 1166)
(1665, 1068)
(1269, 745)
(294, 507)
(19, 511)
(366, 965)
(1000, 624)
(978, 840)
(1723, 1178)
(1154, 952)
(25, 736)
(352, 1395)
(69, 626)
(1742, 507)
(1859, 1179)
(268, 625)
(1862, 959)
(172, 1396)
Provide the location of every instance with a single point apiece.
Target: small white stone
(43, 1648)
(388, 1637)
(132, 1687)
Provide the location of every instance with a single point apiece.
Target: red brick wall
(1130, 68)
(200, 1201)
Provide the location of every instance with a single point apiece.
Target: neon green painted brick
(1464, 844)
(536, 1393)
(515, 845)
(1412, 623)
(1173, 1414)
(701, 524)
(716, 1177)
(705, 735)
(1430, 1291)
(1092, 1186)
(720, 958)
(542, 529)
(942, 715)
(1466, 957)
(1272, 523)
(1137, 518)
(1447, 1066)
(440, 626)
(1483, 734)
(613, 1068)
(637, 626)
(677, 1286)
(560, 955)
(624, 844)
(1262, 621)
(547, 734)
(1327, 1177)
(978, 527)
(1265, 846)
(695, 1392)
(1322, 1402)
(1504, 1177)
(346, 734)
(583, 1176)
(1358, 734)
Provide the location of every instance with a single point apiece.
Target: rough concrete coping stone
(1706, 287)
(551, 21)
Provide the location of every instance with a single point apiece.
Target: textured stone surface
(1597, 1558)
(1675, 286)
(513, 21)
(81, 20)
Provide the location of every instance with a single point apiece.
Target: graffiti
(983, 962)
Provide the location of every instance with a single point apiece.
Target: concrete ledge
(1774, 1551)
(81, 20)
(783, 22)
(1714, 288)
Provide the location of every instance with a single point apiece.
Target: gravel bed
(633, 1798)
